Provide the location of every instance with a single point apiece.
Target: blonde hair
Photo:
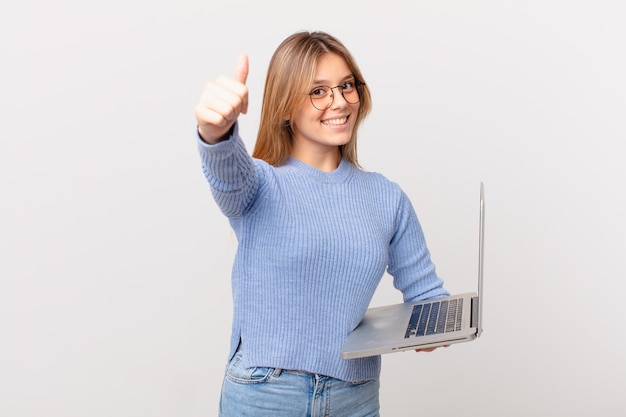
(289, 76)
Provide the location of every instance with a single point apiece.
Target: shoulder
(379, 182)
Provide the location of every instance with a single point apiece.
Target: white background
(115, 262)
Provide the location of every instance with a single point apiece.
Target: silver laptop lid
(481, 257)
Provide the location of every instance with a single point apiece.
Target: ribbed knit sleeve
(230, 171)
(408, 253)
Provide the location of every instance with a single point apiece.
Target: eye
(319, 92)
(348, 86)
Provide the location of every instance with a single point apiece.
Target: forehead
(331, 68)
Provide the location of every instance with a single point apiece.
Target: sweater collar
(339, 175)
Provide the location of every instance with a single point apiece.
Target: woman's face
(323, 131)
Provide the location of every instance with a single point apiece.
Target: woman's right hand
(221, 103)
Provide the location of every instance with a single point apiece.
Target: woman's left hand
(430, 349)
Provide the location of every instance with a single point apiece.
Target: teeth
(335, 122)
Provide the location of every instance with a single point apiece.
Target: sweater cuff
(221, 149)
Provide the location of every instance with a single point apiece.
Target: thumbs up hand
(221, 102)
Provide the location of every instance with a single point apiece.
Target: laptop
(424, 324)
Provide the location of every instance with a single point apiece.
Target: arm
(225, 162)
(410, 263)
(230, 171)
(409, 259)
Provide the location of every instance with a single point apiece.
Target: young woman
(315, 233)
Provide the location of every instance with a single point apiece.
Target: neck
(326, 161)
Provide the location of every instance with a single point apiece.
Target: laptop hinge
(474, 318)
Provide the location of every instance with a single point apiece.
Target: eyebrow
(326, 82)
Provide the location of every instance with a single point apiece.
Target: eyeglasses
(322, 97)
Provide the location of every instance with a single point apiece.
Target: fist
(221, 102)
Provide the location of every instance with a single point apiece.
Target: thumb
(241, 71)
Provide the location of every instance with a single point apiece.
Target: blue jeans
(270, 392)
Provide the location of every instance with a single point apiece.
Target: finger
(241, 70)
(212, 105)
(241, 75)
(225, 96)
(210, 118)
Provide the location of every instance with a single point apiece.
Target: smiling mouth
(335, 122)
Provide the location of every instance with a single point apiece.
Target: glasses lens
(321, 97)
(350, 92)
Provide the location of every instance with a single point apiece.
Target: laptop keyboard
(436, 317)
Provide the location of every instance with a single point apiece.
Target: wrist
(222, 138)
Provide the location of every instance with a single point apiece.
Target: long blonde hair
(289, 76)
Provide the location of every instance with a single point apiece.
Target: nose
(338, 98)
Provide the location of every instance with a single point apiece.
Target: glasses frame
(358, 85)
